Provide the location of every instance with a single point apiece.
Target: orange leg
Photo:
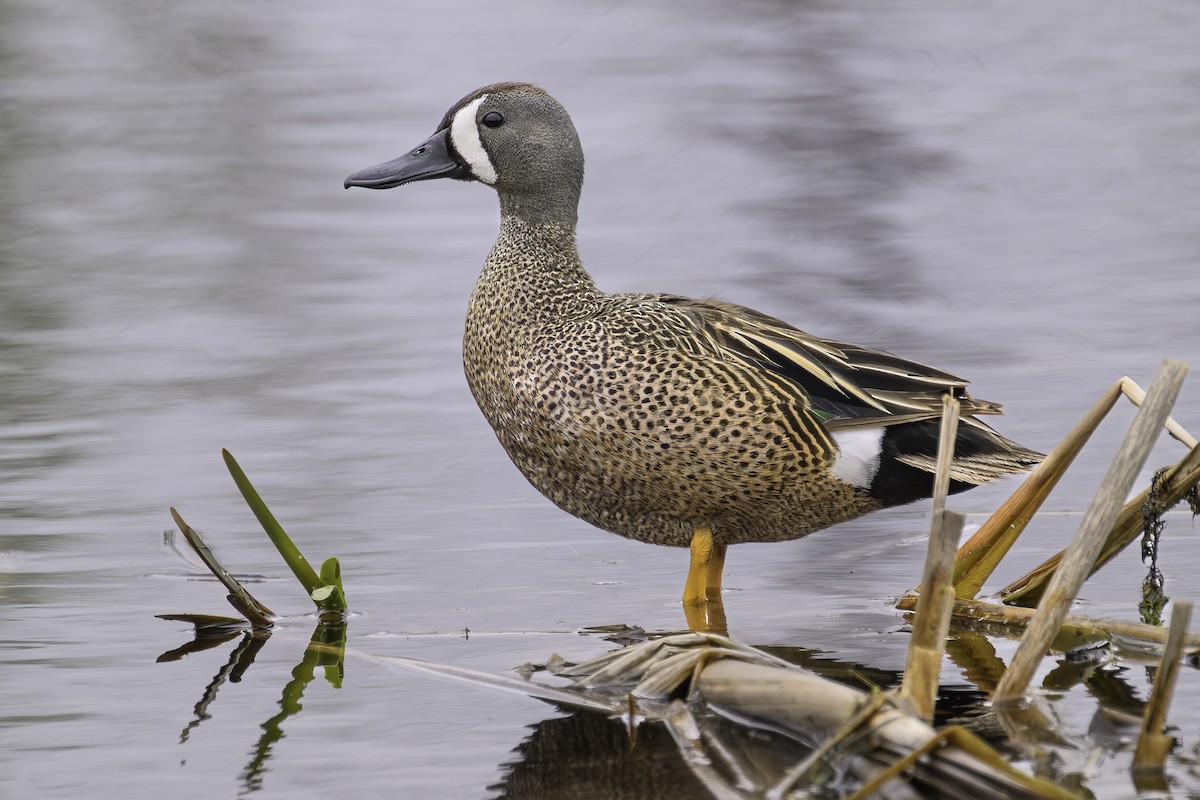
(702, 593)
(716, 566)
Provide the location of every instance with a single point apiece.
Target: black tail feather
(909, 459)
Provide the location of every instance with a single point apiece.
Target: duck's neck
(549, 188)
(534, 273)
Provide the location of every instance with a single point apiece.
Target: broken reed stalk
(983, 552)
(1174, 484)
(1019, 617)
(947, 434)
(1154, 745)
(1137, 396)
(794, 699)
(1093, 531)
(934, 606)
(247, 605)
(922, 668)
(856, 734)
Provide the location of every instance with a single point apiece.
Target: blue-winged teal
(662, 418)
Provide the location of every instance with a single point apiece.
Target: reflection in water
(205, 640)
(730, 754)
(596, 755)
(589, 755)
(240, 659)
(326, 649)
(180, 270)
(842, 175)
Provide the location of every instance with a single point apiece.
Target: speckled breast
(648, 443)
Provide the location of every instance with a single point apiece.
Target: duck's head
(512, 136)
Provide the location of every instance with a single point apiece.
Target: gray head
(512, 136)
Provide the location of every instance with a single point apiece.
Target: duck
(694, 423)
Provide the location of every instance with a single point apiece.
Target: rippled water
(1009, 192)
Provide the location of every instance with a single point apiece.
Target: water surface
(1008, 192)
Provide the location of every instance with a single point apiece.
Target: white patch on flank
(859, 450)
(464, 133)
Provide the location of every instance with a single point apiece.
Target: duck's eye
(492, 119)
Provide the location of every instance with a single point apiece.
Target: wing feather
(845, 385)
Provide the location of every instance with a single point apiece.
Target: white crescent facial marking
(857, 461)
(464, 134)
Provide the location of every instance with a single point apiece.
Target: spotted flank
(659, 417)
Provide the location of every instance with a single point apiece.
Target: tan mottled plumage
(658, 417)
